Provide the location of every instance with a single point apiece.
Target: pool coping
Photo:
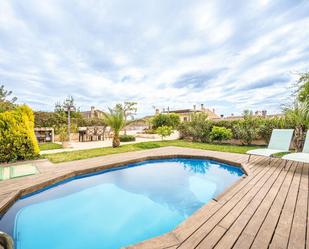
(167, 240)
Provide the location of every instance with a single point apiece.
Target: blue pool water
(116, 208)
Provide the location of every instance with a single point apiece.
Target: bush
(127, 138)
(63, 133)
(246, 131)
(164, 131)
(172, 120)
(17, 138)
(220, 133)
(197, 129)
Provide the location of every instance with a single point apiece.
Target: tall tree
(5, 103)
(129, 109)
(303, 88)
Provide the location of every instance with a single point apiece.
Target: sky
(228, 55)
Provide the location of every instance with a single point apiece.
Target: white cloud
(105, 52)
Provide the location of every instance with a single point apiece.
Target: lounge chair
(300, 156)
(279, 142)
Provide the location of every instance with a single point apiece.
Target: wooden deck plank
(245, 208)
(245, 239)
(298, 231)
(251, 188)
(192, 225)
(261, 202)
(265, 233)
(283, 229)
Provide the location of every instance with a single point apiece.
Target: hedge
(246, 130)
(127, 138)
(17, 138)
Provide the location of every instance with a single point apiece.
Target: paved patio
(266, 209)
(106, 143)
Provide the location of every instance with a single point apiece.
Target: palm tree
(116, 120)
(298, 116)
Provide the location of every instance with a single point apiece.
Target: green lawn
(50, 146)
(83, 154)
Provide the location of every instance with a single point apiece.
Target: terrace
(267, 208)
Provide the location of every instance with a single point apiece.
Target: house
(262, 113)
(185, 114)
(93, 113)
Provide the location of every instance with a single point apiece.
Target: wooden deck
(266, 209)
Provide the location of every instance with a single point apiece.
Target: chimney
(194, 107)
(168, 109)
(202, 106)
(163, 110)
(213, 110)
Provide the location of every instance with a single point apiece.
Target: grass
(50, 146)
(83, 154)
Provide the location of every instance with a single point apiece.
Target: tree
(5, 103)
(197, 129)
(297, 114)
(247, 129)
(67, 107)
(303, 88)
(164, 131)
(171, 119)
(116, 120)
(129, 109)
(220, 133)
(297, 117)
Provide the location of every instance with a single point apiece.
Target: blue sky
(229, 55)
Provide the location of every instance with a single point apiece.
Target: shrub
(220, 133)
(63, 133)
(127, 138)
(267, 125)
(164, 131)
(17, 138)
(171, 119)
(197, 129)
(246, 130)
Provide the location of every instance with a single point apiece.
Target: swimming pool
(118, 207)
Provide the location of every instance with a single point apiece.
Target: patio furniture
(90, 133)
(44, 134)
(300, 156)
(99, 132)
(279, 142)
(82, 134)
(108, 133)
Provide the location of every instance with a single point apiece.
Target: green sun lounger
(279, 142)
(300, 156)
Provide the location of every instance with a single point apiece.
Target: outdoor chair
(90, 133)
(99, 132)
(300, 156)
(279, 142)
